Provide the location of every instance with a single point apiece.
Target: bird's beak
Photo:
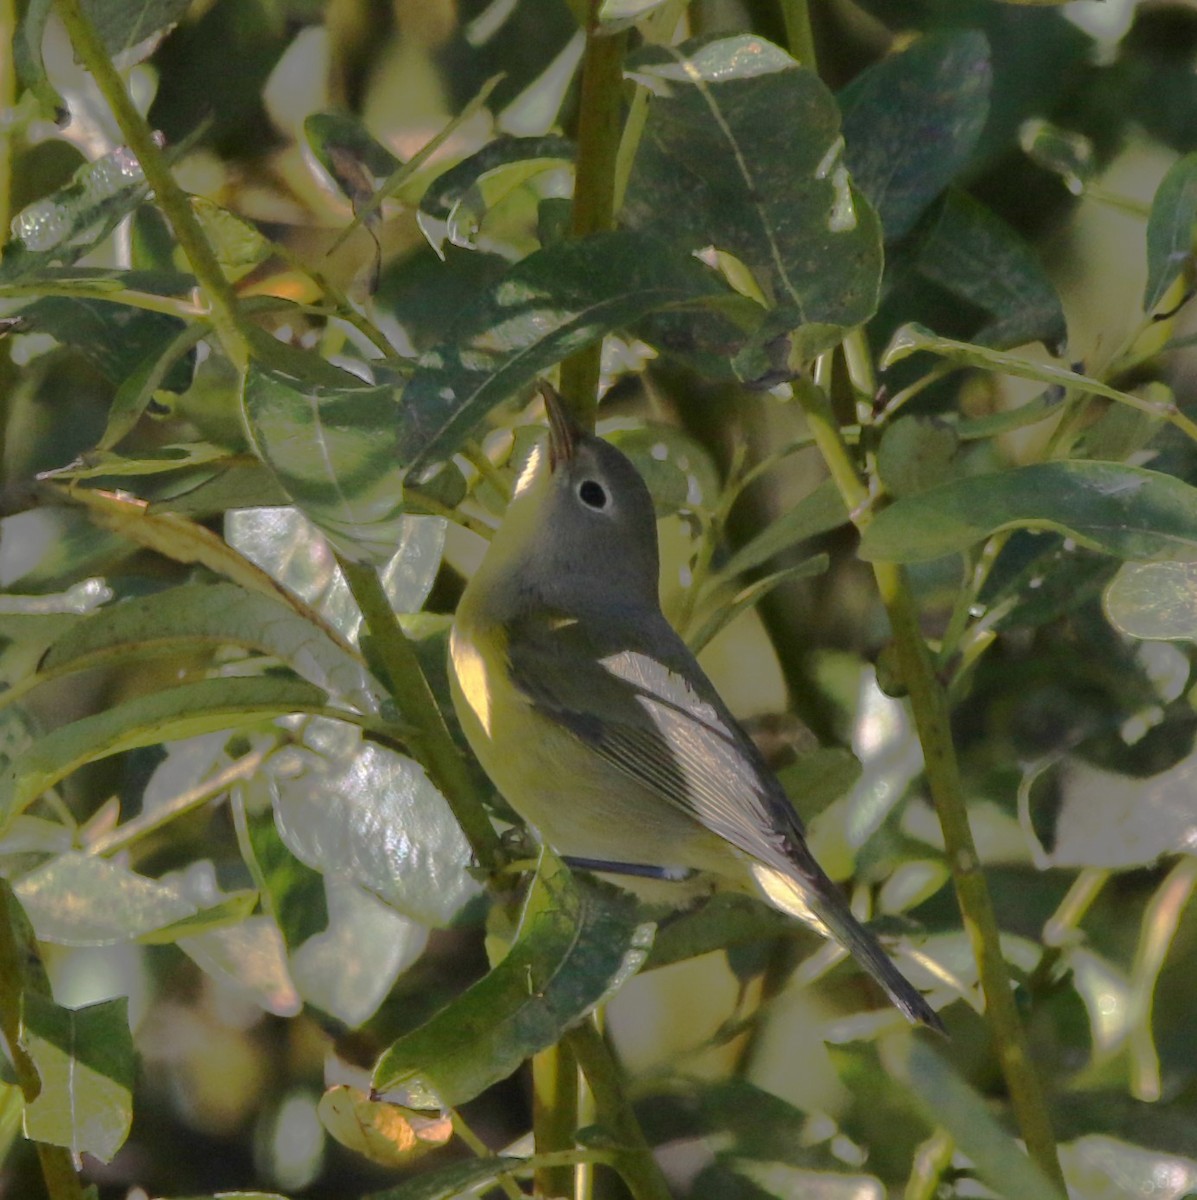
(564, 431)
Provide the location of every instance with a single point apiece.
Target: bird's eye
(592, 493)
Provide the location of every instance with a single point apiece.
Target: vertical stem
(430, 737)
(21, 971)
(171, 199)
(634, 1158)
(554, 1115)
(600, 123)
(929, 705)
(799, 35)
(8, 99)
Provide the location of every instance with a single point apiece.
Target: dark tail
(808, 893)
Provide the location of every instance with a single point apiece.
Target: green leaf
(1155, 601)
(726, 919)
(912, 120)
(250, 959)
(976, 256)
(220, 614)
(78, 899)
(237, 244)
(1170, 229)
(550, 304)
(349, 153)
(819, 512)
(116, 338)
(455, 203)
(1128, 512)
(916, 453)
(292, 550)
(357, 811)
(742, 150)
(911, 339)
(578, 942)
(334, 447)
(85, 1061)
(62, 227)
(179, 712)
(458, 1179)
(951, 1103)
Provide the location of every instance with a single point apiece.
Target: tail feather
(812, 897)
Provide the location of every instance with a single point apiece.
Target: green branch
(929, 705)
(429, 737)
(171, 199)
(600, 126)
(634, 1159)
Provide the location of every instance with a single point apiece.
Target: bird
(594, 720)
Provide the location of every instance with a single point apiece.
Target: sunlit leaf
(1128, 512)
(81, 900)
(1100, 1167)
(384, 1133)
(1170, 229)
(550, 304)
(742, 150)
(355, 810)
(252, 960)
(238, 246)
(178, 712)
(285, 543)
(578, 942)
(911, 121)
(1154, 600)
(85, 1061)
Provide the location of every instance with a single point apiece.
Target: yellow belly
(574, 799)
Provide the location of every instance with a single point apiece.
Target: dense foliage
(886, 298)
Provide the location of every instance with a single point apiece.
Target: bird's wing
(631, 691)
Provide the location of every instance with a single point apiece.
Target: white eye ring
(593, 494)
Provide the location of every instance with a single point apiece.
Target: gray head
(580, 534)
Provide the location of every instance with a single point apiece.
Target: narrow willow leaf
(85, 1061)
(214, 615)
(453, 206)
(384, 1133)
(1154, 601)
(819, 512)
(459, 1179)
(137, 388)
(1170, 229)
(578, 942)
(951, 1103)
(333, 447)
(910, 339)
(550, 304)
(750, 596)
(912, 120)
(723, 921)
(1128, 512)
(357, 811)
(237, 244)
(179, 712)
(78, 899)
(742, 151)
